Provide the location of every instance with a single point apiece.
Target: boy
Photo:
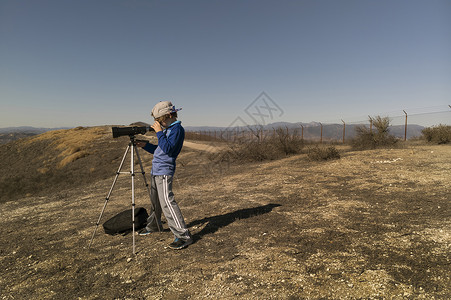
(170, 134)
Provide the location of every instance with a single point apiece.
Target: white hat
(163, 108)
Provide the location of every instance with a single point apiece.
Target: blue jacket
(170, 142)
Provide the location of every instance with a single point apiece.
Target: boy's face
(164, 121)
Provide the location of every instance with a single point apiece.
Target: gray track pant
(162, 199)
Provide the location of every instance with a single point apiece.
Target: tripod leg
(108, 196)
(132, 172)
(147, 185)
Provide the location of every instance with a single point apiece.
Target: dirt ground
(372, 225)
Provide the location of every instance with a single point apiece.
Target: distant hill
(29, 129)
(9, 134)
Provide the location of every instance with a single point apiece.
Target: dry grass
(323, 153)
(72, 157)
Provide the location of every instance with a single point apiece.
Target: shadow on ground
(217, 222)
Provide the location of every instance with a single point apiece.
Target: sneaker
(144, 231)
(178, 244)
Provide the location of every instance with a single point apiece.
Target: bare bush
(367, 138)
(440, 134)
(288, 143)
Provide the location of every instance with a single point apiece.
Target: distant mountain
(9, 134)
(29, 129)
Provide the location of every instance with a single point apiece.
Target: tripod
(133, 150)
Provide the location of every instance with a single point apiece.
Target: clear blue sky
(104, 62)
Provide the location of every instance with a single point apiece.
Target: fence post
(302, 132)
(405, 127)
(371, 124)
(344, 130)
(321, 140)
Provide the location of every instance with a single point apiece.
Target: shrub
(371, 139)
(286, 142)
(280, 144)
(321, 153)
(440, 134)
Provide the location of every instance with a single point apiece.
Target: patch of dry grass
(322, 153)
(72, 157)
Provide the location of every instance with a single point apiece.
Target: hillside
(373, 224)
(56, 160)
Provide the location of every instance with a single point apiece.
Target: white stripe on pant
(162, 198)
(168, 203)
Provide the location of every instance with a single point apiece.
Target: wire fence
(403, 126)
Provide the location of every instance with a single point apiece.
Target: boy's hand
(157, 127)
(140, 143)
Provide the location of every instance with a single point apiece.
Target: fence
(404, 126)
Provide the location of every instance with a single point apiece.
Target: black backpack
(122, 222)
